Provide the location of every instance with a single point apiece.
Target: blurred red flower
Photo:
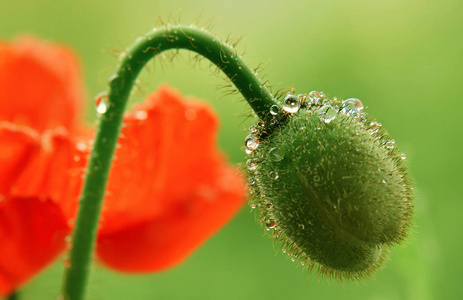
(169, 188)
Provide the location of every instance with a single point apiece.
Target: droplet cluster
(316, 163)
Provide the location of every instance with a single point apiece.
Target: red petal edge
(41, 85)
(32, 235)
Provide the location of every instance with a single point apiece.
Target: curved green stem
(120, 85)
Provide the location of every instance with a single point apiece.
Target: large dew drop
(101, 103)
(291, 104)
(327, 113)
(352, 107)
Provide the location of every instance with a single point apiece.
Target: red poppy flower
(169, 188)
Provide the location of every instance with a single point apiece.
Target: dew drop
(403, 156)
(275, 154)
(270, 224)
(375, 127)
(390, 144)
(251, 164)
(327, 113)
(253, 129)
(302, 263)
(253, 206)
(68, 239)
(283, 250)
(251, 143)
(76, 158)
(101, 102)
(291, 104)
(81, 146)
(251, 181)
(293, 259)
(269, 205)
(190, 114)
(352, 107)
(314, 96)
(141, 115)
(274, 109)
(71, 222)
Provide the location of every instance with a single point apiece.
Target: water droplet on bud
(251, 164)
(327, 113)
(251, 142)
(274, 110)
(390, 144)
(375, 127)
(352, 107)
(291, 104)
(270, 224)
(314, 97)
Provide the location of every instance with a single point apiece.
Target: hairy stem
(120, 85)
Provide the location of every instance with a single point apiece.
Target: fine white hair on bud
(329, 183)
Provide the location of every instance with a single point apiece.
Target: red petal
(169, 187)
(32, 234)
(55, 171)
(18, 145)
(169, 238)
(40, 85)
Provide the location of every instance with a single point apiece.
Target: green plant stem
(13, 296)
(120, 85)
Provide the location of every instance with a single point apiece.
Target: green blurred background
(402, 58)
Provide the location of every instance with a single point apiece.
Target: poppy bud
(329, 184)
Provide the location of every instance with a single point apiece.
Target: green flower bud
(329, 184)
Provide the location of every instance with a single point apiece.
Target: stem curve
(120, 85)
